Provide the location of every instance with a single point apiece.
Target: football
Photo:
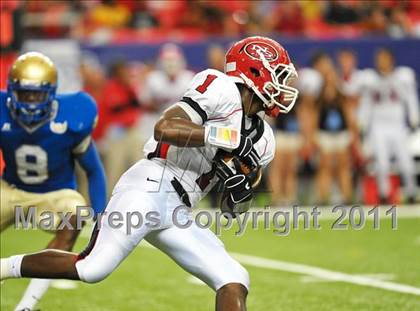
(228, 159)
(254, 175)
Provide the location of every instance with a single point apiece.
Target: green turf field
(148, 280)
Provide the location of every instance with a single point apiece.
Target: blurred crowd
(351, 134)
(130, 20)
(327, 150)
(330, 148)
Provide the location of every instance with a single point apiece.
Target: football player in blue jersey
(42, 134)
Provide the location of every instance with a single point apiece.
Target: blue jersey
(43, 160)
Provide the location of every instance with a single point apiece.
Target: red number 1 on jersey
(203, 87)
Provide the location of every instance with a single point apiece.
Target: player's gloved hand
(246, 152)
(224, 170)
(239, 188)
(237, 196)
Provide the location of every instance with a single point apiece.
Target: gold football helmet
(31, 86)
(33, 68)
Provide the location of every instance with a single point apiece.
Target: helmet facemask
(277, 95)
(31, 105)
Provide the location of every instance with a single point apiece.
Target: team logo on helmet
(254, 49)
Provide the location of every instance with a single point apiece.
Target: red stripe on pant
(91, 245)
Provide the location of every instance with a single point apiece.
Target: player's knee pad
(98, 265)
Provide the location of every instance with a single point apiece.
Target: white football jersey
(388, 100)
(211, 99)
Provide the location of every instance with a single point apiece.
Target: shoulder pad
(221, 87)
(78, 110)
(359, 73)
(214, 93)
(367, 76)
(405, 74)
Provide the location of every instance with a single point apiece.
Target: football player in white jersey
(389, 98)
(216, 118)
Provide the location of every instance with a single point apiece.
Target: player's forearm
(179, 132)
(92, 165)
(97, 190)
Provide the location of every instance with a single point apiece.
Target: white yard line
(317, 272)
(64, 284)
(320, 273)
(378, 276)
(324, 273)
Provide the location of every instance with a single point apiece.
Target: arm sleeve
(84, 123)
(84, 150)
(408, 78)
(413, 107)
(92, 165)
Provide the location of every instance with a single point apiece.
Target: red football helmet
(264, 66)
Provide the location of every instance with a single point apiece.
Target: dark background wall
(407, 51)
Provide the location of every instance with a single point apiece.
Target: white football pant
(196, 250)
(388, 142)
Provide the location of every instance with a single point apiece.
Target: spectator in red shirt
(120, 111)
(93, 77)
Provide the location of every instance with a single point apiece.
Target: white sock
(33, 293)
(10, 267)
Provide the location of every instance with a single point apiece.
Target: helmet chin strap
(251, 85)
(250, 101)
